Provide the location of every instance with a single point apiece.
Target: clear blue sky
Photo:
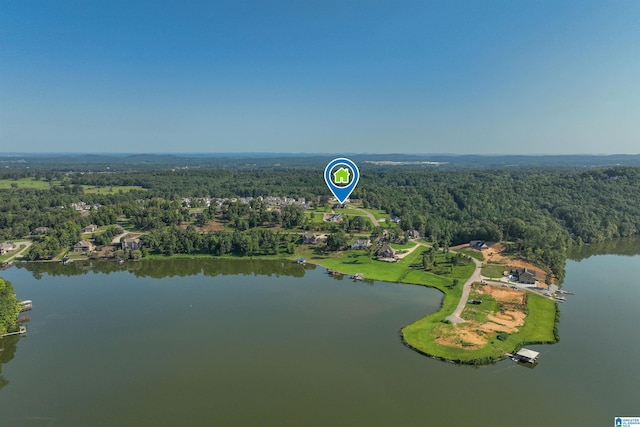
(528, 77)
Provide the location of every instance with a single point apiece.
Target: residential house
(479, 245)
(523, 275)
(361, 244)
(395, 219)
(333, 218)
(386, 252)
(413, 234)
(6, 247)
(197, 213)
(309, 238)
(90, 228)
(83, 246)
(40, 230)
(131, 243)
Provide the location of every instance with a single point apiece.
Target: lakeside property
(487, 332)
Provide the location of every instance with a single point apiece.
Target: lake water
(226, 343)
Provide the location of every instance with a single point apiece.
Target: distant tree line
(539, 213)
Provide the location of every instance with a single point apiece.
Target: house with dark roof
(523, 275)
(386, 252)
(361, 244)
(479, 245)
(309, 238)
(83, 246)
(131, 243)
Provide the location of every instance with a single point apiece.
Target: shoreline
(408, 333)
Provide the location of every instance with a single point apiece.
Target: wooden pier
(21, 331)
(26, 305)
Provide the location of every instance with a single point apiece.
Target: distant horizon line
(298, 154)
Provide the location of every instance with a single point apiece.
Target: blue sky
(512, 77)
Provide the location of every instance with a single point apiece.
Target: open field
(474, 342)
(494, 271)
(92, 189)
(25, 183)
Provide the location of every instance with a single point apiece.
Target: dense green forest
(539, 212)
(9, 307)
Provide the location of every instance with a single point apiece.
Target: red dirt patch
(504, 295)
(213, 225)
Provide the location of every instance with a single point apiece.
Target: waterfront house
(6, 247)
(386, 252)
(83, 246)
(523, 275)
(131, 243)
(309, 238)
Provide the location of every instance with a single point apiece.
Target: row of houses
(385, 252)
(270, 201)
(127, 244)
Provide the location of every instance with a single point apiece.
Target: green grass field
(92, 189)
(538, 328)
(25, 183)
(473, 254)
(493, 270)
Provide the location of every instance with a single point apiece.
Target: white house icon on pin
(341, 176)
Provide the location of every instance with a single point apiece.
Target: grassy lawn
(25, 183)
(377, 213)
(404, 247)
(473, 254)
(538, 328)
(8, 255)
(92, 189)
(493, 270)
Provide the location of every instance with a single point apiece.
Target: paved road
(475, 277)
(116, 239)
(369, 214)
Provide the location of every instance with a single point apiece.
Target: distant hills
(115, 161)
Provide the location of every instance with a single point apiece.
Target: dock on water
(26, 305)
(525, 355)
(21, 331)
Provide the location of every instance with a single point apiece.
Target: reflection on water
(629, 246)
(7, 352)
(173, 268)
(235, 343)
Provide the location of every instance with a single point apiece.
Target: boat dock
(525, 356)
(21, 331)
(26, 305)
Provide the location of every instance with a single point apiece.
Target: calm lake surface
(232, 343)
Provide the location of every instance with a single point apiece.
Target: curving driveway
(27, 243)
(368, 214)
(475, 277)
